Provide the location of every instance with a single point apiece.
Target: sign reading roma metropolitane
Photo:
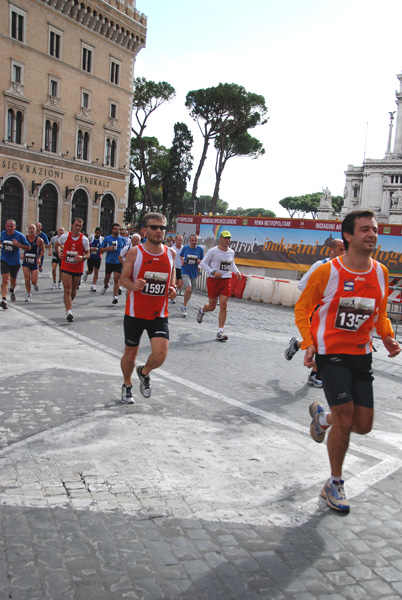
(292, 244)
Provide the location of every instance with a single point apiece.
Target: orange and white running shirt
(351, 303)
(152, 301)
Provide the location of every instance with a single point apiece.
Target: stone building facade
(67, 83)
(377, 184)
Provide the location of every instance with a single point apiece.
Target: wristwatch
(213, 272)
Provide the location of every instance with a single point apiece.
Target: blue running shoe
(316, 431)
(291, 349)
(335, 496)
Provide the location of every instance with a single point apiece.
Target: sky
(327, 71)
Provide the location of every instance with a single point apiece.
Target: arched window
(113, 154)
(85, 152)
(110, 154)
(51, 136)
(79, 144)
(14, 126)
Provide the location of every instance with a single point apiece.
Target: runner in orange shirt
(352, 293)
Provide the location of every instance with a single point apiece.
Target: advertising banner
(292, 244)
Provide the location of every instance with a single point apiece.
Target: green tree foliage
(223, 110)
(148, 96)
(178, 174)
(299, 206)
(237, 143)
(251, 212)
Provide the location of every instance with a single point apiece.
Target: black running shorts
(134, 328)
(346, 378)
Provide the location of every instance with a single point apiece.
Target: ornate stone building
(377, 184)
(67, 81)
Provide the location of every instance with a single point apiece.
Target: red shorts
(219, 286)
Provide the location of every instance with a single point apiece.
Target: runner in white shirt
(219, 264)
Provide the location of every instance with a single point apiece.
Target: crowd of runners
(343, 299)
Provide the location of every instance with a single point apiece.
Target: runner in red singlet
(148, 274)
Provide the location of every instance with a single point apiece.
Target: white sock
(332, 478)
(322, 420)
(220, 330)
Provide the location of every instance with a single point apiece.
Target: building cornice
(122, 24)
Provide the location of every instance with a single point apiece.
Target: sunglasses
(155, 227)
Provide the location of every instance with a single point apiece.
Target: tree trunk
(200, 167)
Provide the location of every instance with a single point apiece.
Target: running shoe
(316, 431)
(200, 315)
(221, 337)
(312, 379)
(103, 291)
(183, 311)
(127, 394)
(3, 304)
(59, 285)
(173, 302)
(119, 292)
(53, 286)
(36, 287)
(70, 317)
(145, 383)
(115, 301)
(335, 496)
(291, 349)
(93, 288)
(85, 277)
(28, 298)
(12, 296)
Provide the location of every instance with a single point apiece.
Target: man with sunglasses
(148, 275)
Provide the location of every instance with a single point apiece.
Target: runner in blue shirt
(113, 244)
(45, 239)
(12, 241)
(191, 256)
(94, 260)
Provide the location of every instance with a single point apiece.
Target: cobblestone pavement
(210, 489)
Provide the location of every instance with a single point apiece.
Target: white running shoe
(183, 311)
(127, 394)
(36, 287)
(334, 494)
(200, 315)
(103, 290)
(221, 337)
(53, 286)
(28, 298)
(93, 288)
(145, 383)
(59, 285)
(85, 277)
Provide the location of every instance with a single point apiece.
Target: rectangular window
(54, 88)
(114, 72)
(54, 44)
(86, 63)
(17, 73)
(113, 110)
(85, 100)
(17, 24)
